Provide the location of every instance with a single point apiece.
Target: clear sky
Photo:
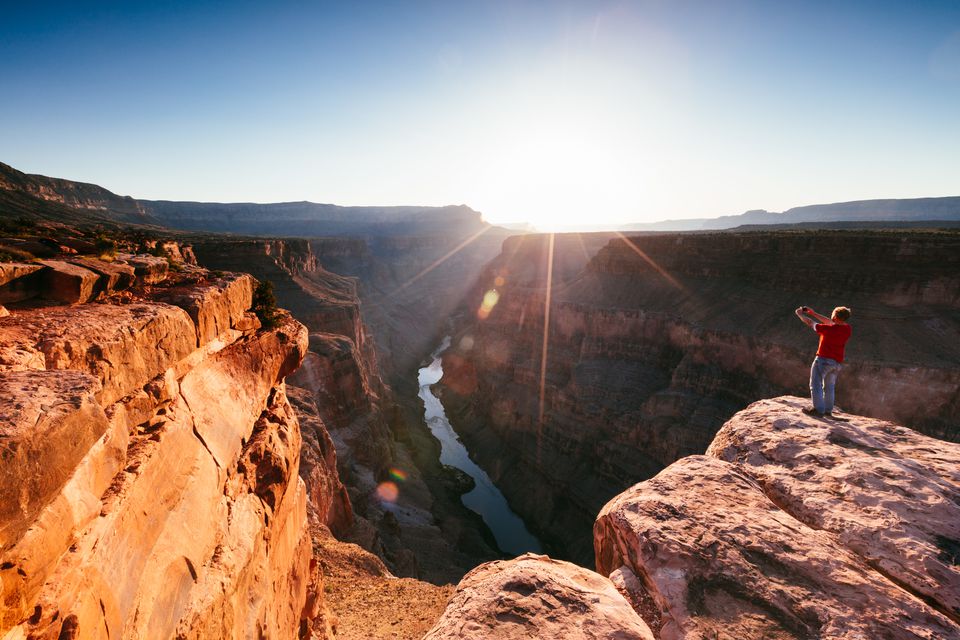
(563, 112)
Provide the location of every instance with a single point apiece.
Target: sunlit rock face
(654, 343)
(346, 394)
(794, 527)
(151, 457)
(533, 596)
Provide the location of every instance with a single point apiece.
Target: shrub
(106, 246)
(265, 305)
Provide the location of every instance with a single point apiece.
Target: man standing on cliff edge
(834, 333)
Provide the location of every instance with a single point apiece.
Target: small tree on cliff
(265, 304)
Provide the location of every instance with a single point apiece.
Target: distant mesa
(946, 209)
(64, 200)
(59, 200)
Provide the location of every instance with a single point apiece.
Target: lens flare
(387, 492)
(490, 300)
(545, 347)
(398, 474)
(656, 267)
(499, 281)
(436, 263)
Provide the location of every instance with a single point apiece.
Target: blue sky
(553, 112)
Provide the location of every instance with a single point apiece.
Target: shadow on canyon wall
(659, 339)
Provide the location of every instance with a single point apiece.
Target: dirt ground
(366, 603)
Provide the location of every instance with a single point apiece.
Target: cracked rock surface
(795, 527)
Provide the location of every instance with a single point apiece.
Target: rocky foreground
(149, 457)
(789, 528)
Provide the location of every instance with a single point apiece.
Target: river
(485, 499)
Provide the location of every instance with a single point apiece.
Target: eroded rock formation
(151, 459)
(794, 527)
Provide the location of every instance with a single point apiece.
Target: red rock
(19, 281)
(68, 283)
(48, 421)
(216, 306)
(149, 269)
(171, 505)
(720, 560)
(114, 276)
(78, 245)
(10, 271)
(329, 501)
(124, 346)
(888, 493)
(533, 596)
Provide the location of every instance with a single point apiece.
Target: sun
(563, 169)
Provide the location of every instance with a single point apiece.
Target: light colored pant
(823, 380)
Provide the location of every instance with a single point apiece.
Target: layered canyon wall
(399, 506)
(152, 459)
(660, 339)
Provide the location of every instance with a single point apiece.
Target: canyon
(655, 341)
(258, 452)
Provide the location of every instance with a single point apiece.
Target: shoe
(828, 414)
(811, 411)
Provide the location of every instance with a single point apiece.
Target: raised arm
(804, 317)
(819, 318)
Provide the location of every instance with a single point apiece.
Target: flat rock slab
(68, 283)
(12, 270)
(533, 596)
(124, 346)
(19, 281)
(724, 562)
(114, 276)
(888, 493)
(48, 421)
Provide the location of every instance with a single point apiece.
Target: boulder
(534, 596)
(19, 281)
(149, 269)
(68, 283)
(721, 560)
(216, 306)
(114, 276)
(888, 493)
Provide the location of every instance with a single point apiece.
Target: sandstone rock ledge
(149, 470)
(795, 527)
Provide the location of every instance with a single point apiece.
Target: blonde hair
(842, 313)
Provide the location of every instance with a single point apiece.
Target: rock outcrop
(151, 458)
(658, 340)
(533, 596)
(794, 527)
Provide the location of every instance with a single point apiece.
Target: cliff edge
(150, 461)
(794, 527)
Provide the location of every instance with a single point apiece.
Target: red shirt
(833, 337)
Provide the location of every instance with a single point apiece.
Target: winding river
(485, 499)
